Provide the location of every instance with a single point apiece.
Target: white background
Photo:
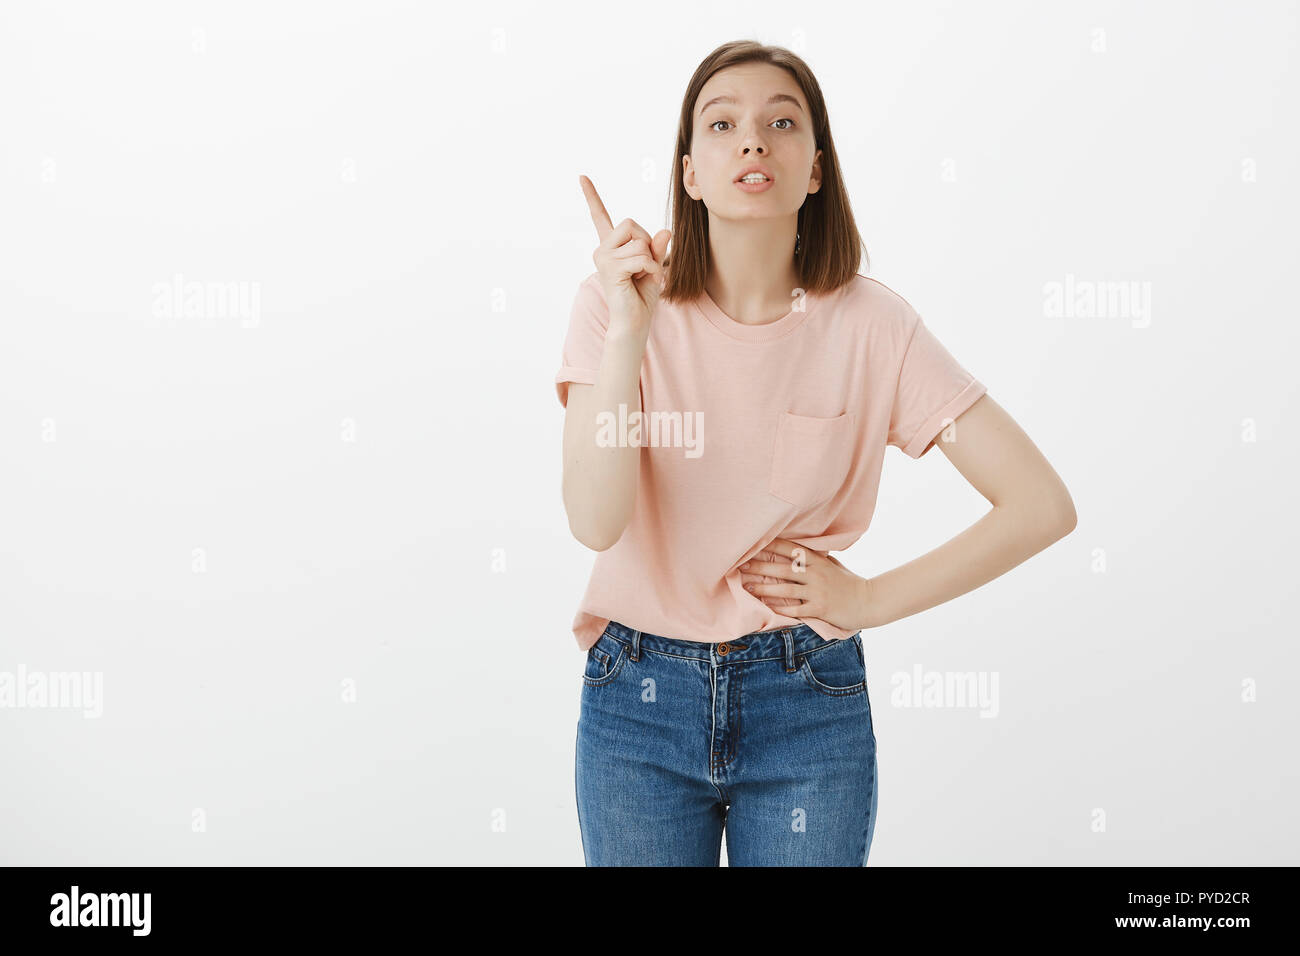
(399, 183)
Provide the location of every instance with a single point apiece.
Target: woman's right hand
(630, 264)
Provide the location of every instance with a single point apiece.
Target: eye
(728, 122)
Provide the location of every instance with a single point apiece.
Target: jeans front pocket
(811, 458)
(604, 658)
(836, 669)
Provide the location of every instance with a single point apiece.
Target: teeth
(754, 178)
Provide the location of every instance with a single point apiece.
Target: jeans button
(722, 649)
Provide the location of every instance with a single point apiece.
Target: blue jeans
(768, 737)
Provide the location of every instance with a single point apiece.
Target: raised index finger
(604, 226)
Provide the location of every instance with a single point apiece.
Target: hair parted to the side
(830, 248)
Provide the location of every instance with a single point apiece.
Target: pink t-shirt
(766, 431)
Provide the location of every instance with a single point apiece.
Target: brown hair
(830, 247)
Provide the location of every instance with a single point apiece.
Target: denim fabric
(767, 737)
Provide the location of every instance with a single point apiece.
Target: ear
(688, 177)
(815, 179)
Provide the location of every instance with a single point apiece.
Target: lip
(754, 187)
(756, 168)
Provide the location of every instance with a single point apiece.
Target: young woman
(725, 683)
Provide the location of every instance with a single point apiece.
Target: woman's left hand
(822, 587)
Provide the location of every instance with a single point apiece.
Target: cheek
(713, 183)
(712, 164)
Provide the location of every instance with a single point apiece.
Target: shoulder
(876, 306)
(589, 299)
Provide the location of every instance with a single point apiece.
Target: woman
(725, 682)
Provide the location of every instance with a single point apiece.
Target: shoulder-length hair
(830, 247)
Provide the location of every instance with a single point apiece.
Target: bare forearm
(1003, 538)
(600, 479)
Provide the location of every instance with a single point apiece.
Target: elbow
(594, 538)
(1046, 521)
(597, 543)
(594, 522)
(1064, 518)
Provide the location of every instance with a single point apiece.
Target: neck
(752, 276)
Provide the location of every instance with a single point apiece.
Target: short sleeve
(933, 389)
(585, 340)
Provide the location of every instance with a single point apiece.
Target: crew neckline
(755, 333)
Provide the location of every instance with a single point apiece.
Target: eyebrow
(775, 98)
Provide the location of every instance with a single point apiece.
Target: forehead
(749, 84)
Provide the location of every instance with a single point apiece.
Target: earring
(796, 243)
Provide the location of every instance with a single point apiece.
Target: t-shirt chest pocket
(811, 458)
